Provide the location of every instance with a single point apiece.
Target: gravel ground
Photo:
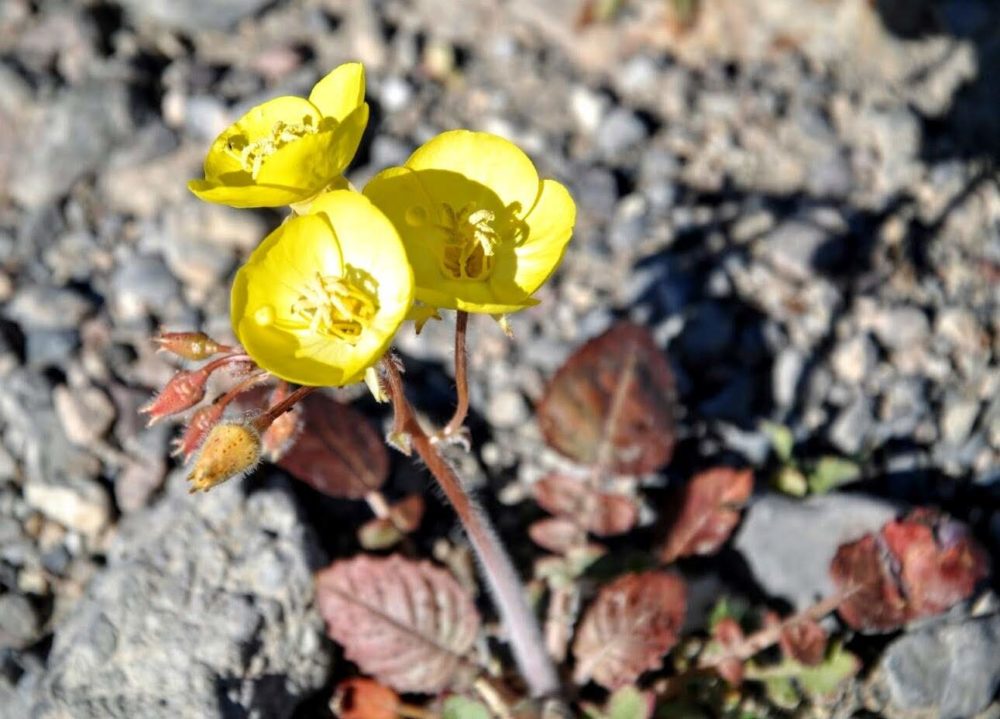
(798, 197)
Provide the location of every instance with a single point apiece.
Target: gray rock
(43, 348)
(900, 328)
(619, 132)
(786, 374)
(204, 609)
(72, 139)
(19, 626)
(851, 427)
(854, 359)
(77, 504)
(142, 283)
(789, 543)
(192, 16)
(36, 307)
(948, 670)
(507, 408)
(799, 248)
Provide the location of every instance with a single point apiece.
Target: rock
(193, 16)
(628, 226)
(507, 408)
(36, 307)
(80, 505)
(214, 593)
(854, 359)
(86, 413)
(851, 427)
(789, 543)
(588, 108)
(19, 626)
(786, 374)
(958, 417)
(901, 328)
(799, 248)
(947, 670)
(619, 132)
(71, 139)
(141, 284)
(44, 348)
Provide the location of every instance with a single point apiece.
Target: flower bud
(230, 450)
(184, 390)
(194, 346)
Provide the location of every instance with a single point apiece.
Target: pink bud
(184, 390)
(189, 345)
(197, 429)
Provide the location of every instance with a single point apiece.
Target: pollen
(471, 242)
(252, 154)
(336, 307)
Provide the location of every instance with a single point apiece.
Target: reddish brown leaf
(940, 564)
(915, 567)
(612, 403)
(361, 698)
(557, 534)
(706, 512)
(804, 641)
(874, 602)
(601, 513)
(633, 622)
(338, 452)
(407, 623)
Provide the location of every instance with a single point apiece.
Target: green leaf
(830, 472)
(824, 679)
(781, 692)
(462, 708)
(628, 703)
(791, 481)
(782, 440)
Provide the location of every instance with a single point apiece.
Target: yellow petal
(405, 200)
(251, 195)
(550, 226)
(341, 92)
(489, 160)
(347, 237)
(256, 123)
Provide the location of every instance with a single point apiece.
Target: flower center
(470, 244)
(252, 153)
(337, 307)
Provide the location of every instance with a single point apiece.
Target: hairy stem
(505, 586)
(461, 375)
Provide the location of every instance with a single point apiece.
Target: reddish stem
(264, 420)
(508, 594)
(461, 375)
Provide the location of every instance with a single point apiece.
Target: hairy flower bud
(194, 346)
(184, 390)
(231, 450)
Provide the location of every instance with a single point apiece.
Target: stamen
(337, 307)
(252, 154)
(470, 242)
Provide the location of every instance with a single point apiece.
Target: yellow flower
(320, 299)
(288, 149)
(481, 230)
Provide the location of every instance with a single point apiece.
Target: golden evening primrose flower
(481, 230)
(320, 299)
(288, 149)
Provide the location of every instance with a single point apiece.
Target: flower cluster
(465, 223)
